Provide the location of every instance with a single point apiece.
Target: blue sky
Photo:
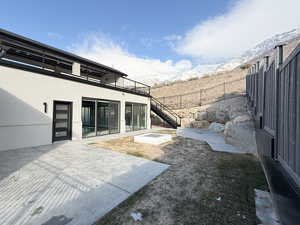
(139, 25)
(153, 39)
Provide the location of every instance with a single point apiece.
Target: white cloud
(101, 49)
(246, 23)
(218, 39)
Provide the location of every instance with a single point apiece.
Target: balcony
(26, 54)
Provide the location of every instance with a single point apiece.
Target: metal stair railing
(166, 111)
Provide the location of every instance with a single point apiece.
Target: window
(100, 117)
(135, 116)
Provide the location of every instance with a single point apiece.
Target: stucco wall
(23, 122)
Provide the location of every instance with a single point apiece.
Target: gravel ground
(200, 187)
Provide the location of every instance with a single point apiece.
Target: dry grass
(201, 187)
(128, 146)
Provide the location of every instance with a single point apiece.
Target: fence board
(269, 99)
(275, 94)
(297, 158)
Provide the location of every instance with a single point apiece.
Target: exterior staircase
(165, 113)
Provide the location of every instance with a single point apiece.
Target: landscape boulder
(222, 117)
(244, 119)
(240, 133)
(233, 114)
(216, 127)
(211, 116)
(201, 116)
(235, 111)
(203, 124)
(186, 122)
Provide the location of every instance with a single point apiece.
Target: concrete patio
(68, 183)
(214, 140)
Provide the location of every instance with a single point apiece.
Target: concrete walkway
(68, 183)
(214, 140)
(265, 210)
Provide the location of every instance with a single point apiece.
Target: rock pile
(232, 120)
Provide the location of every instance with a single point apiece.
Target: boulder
(201, 116)
(211, 116)
(216, 127)
(199, 124)
(244, 119)
(233, 114)
(235, 111)
(185, 122)
(222, 117)
(241, 135)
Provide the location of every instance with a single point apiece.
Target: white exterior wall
(23, 122)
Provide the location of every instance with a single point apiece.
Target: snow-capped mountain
(269, 44)
(260, 49)
(257, 51)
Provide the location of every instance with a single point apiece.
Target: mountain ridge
(247, 57)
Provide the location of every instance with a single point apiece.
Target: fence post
(278, 63)
(266, 66)
(181, 101)
(224, 89)
(266, 58)
(200, 100)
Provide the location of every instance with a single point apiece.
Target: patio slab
(214, 140)
(265, 210)
(68, 183)
(152, 138)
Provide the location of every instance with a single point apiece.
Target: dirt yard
(128, 146)
(200, 186)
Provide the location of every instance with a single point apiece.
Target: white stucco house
(48, 95)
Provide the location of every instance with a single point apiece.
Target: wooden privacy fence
(273, 93)
(218, 92)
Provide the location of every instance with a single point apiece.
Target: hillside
(250, 57)
(195, 84)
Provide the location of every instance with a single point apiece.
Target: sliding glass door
(100, 117)
(128, 117)
(142, 117)
(135, 116)
(113, 119)
(88, 118)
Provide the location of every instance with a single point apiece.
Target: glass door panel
(128, 117)
(88, 113)
(113, 118)
(143, 117)
(135, 116)
(102, 118)
(136, 112)
(62, 121)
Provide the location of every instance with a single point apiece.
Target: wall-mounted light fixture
(45, 107)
